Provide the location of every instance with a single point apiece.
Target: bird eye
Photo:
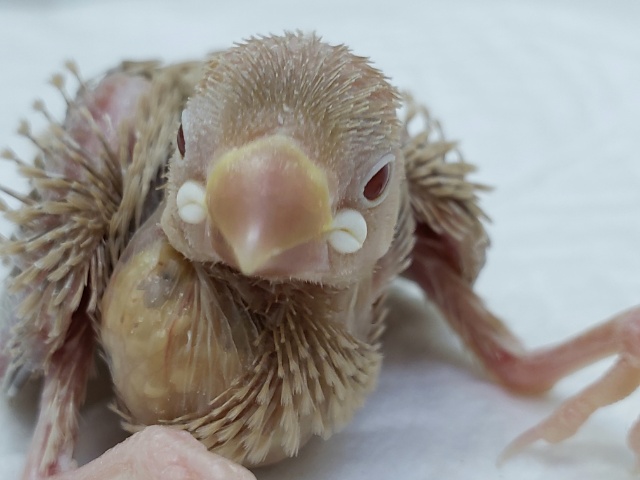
(180, 141)
(378, 180)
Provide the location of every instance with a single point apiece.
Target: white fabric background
(545, 99)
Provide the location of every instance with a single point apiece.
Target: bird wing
(444, 201)
(93, 183)
(450, 238)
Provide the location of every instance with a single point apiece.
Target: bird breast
(251, 368)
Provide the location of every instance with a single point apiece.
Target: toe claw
(518, 444)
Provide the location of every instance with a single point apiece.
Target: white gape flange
(191, 202)
(348, 232)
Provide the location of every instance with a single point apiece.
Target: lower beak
(265, 198)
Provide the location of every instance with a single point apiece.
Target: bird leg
(537, 370)
(448, 253)
(503, 355)
(65, 381)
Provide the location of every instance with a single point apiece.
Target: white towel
(544, 97)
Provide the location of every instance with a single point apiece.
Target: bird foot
(622, 379)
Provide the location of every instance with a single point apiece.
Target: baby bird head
(288, 162)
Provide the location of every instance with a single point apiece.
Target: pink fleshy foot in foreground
(159, 453)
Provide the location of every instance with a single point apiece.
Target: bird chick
(283, 193)
(243, 301)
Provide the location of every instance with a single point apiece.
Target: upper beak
(267, 197)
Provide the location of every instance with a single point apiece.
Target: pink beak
(266, 198)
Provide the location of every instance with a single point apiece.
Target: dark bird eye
(181, 141)
(377, 184)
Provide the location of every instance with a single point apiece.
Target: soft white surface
(545, 99)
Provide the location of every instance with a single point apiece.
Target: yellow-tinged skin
(148, 328)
